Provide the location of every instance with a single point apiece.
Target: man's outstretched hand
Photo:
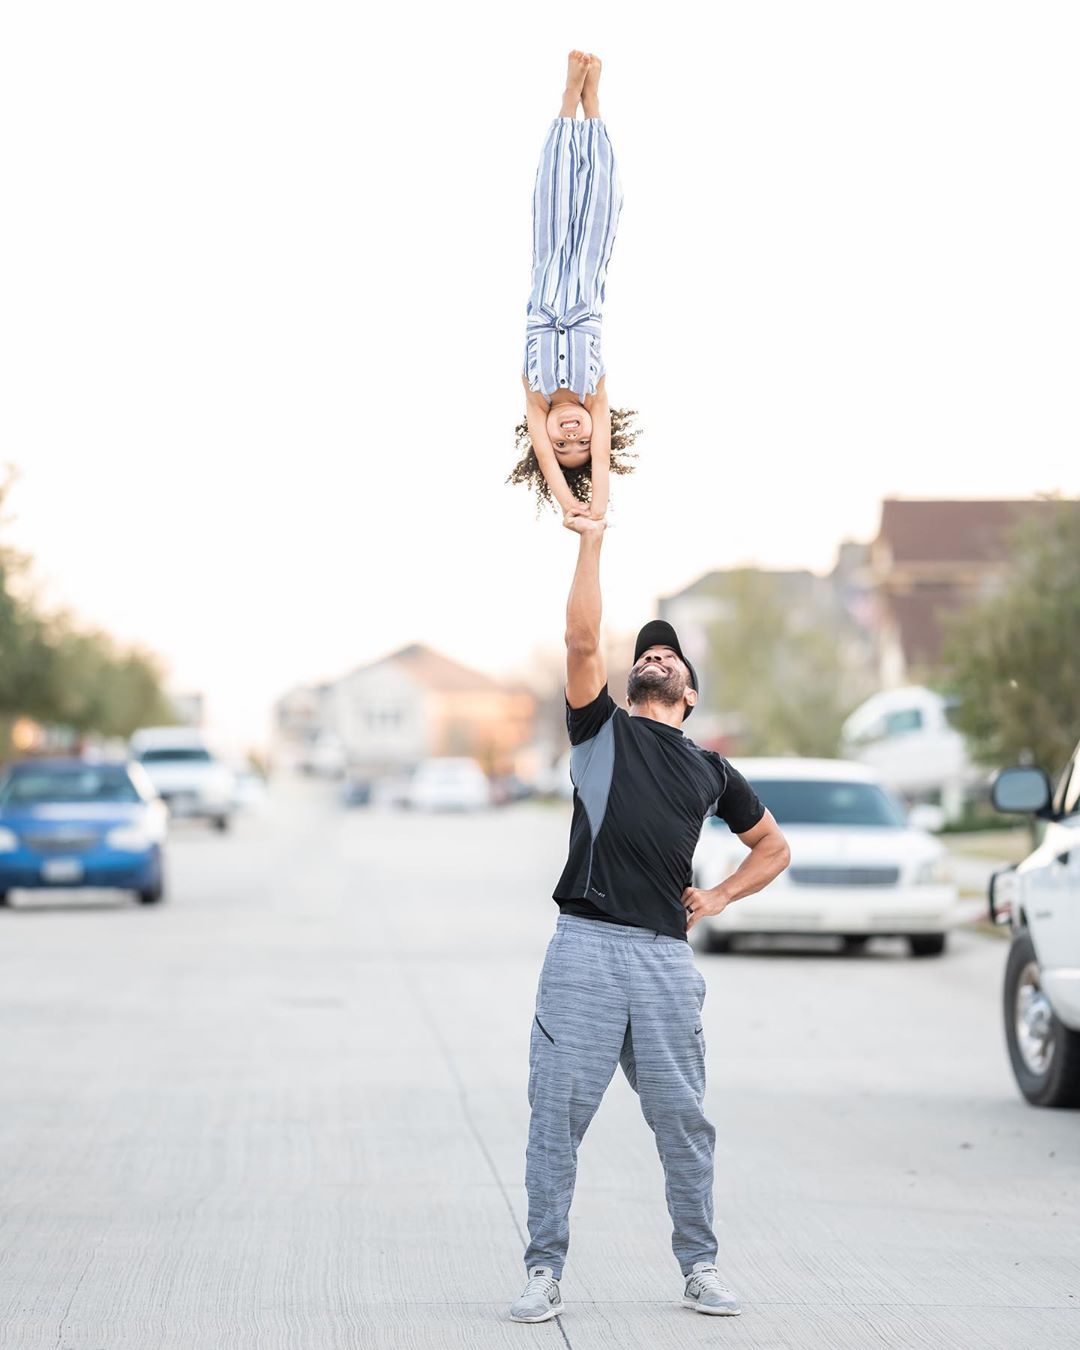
(579, 519)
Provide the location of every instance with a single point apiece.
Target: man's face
(659, 675)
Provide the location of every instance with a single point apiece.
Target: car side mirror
(1023, 790)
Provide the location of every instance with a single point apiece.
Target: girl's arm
(600, 412)
(536, 410)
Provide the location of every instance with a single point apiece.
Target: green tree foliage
(56, 672)
(781, 673)
(1014, 658)
(24, 652)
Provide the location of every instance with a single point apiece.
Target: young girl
(570, 433)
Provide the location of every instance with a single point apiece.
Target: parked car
(509, 788)
(390, 791)
(356, 790)
(1040, 901)
(189, 778)
(77, 823)
(858, 868)
(324, 757)
(555, 781)
(448, 784)
(249, 788)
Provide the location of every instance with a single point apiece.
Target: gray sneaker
(705, 1292)
(541, 1298)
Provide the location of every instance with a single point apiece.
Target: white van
(1040, 900)
(187, 776)
(907, 736)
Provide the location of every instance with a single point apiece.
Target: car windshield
(78, 783)
(176, 754)
(797, 801)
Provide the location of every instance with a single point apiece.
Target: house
(829, 603)
(930, 559)
(413, 704)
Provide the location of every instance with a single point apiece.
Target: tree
(783, 678)
(1014, 658)
(24, 654)
(56, 672)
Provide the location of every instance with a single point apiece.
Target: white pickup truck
(187, 776)
(1040, 900)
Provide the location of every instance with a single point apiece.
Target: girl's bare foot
(590, 93)
(577, 68)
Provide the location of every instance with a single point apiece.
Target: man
(618, 984)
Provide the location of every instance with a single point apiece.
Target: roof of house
(723, 579)
(918, 618)
(437, 672)
(924, 530)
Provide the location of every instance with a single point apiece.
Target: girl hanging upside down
(571, 439)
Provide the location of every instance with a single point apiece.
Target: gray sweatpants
(612, 994)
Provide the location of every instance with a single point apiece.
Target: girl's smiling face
(569, 428)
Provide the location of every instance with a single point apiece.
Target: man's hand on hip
(697, 902)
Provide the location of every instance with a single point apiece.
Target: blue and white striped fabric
(576, 205)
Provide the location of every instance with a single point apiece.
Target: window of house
(383, 720)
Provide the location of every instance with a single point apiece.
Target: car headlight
(9, 840)
(1004, 894)
(934, 872)
(129, 839)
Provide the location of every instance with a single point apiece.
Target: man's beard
(642, 686)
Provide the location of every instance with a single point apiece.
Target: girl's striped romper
(576, 205)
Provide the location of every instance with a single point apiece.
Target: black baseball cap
(659, 633)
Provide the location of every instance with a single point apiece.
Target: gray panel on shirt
(592, 765)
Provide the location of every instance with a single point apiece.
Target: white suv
(1040, 900)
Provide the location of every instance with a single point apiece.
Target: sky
(262, 287)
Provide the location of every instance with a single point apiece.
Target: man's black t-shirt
(641, 792)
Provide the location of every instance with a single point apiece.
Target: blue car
(75, 822)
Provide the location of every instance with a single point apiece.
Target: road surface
(288, 1108)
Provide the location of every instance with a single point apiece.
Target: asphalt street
(287, 1108)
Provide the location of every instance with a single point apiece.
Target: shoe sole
(713, 1312)
(544, 1316)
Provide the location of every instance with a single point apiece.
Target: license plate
(62, 869)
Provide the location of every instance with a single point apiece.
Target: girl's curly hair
(527, 470)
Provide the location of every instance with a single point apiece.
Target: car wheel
(3, 897)
(715, 943)
(1045, 1054)
(855, 942)
(926, 944)
(221, 823)
(153, 895)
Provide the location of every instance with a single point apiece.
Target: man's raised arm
(585, 671)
